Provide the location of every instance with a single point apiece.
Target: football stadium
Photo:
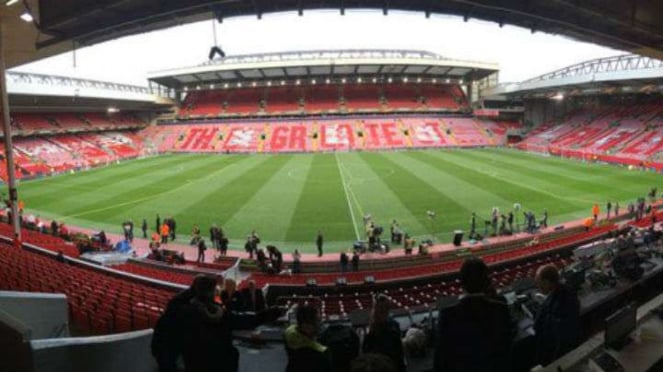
(284, 208)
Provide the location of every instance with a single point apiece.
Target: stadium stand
(410, 297)
(156, 272)
(340, 134)
(623, 134)
(276, 101)
(44, 155)
(99, 301)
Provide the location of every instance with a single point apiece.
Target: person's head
(474, 276)
(380, 309)
(204, 287)
(547, 278)
(308, 320)
(370, 362)
(229, 285)
(252, 285)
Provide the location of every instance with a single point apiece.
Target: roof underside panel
(623, 24)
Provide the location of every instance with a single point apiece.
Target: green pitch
(288, 198)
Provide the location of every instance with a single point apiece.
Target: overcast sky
(519, 53)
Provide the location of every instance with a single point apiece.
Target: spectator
(252, 298)
(230, 298)
(476, 333)
(201, 250)
(54, 228)
(165, 232)
(557, 323)
(168, 332)
(249, 247)
(223, 244)
(195, 235)
(200, 330)
(372, 363)
(171, 228)
(296, 262)
(305, 354)
(344, 262)
(384, 334)
(595, 212)
(214, 237)
(355, 261)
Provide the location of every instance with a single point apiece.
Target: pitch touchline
(347, 198)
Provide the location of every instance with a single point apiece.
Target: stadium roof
(324, 64)
(613, 75)
(624, 24)
(38, 92)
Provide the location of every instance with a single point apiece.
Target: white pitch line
(347, 198)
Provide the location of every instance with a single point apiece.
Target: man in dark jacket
(384, 334)
(476, 333)
(168, 331)
(344, 262)
(305, 354)
(172, 225)
(205, 328)
(253, 298)
(318, 243)
(557, 323)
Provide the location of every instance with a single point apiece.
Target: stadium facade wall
(121, 352)
(44, 314)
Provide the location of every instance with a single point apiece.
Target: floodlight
(558, 97)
